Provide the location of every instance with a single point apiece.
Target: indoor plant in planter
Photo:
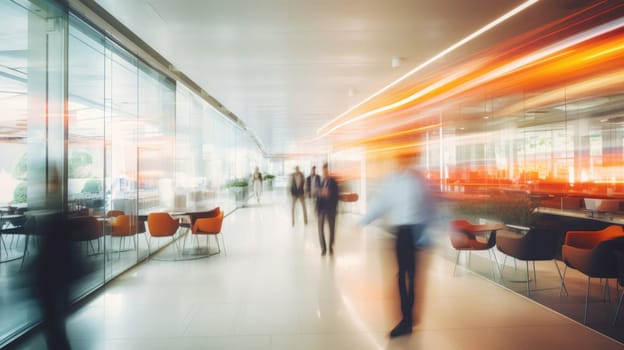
(268, 181)
(240, 189)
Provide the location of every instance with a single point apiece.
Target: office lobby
(131, 216)
(271, 289)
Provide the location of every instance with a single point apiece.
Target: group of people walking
(322, 191)
(405, 200)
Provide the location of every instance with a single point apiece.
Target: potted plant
(240, 189)
(509, 208)
(268, 181)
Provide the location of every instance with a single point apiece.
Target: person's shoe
(402, 328)
(331, 251)
(323, 252)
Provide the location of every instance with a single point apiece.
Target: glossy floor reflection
(273, 290)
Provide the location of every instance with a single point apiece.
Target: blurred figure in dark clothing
(56, 264)
(326, 206)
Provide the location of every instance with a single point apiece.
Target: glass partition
(31, 149)
(86, 152)
(156, 144)
(89, 130)
(122, 161)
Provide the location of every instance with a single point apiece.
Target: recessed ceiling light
(396, 61)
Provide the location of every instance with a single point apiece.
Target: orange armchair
(592, 253)
(124, 226)
(162, 225)
(463, 238)
(210, 226)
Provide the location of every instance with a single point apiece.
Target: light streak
(443, 53)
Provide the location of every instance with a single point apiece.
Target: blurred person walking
(313, 185)
(326, 207)
(256, 181)
(57, 265)
(297, 183)
(405, 197)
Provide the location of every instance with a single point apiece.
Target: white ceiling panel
(285, 67)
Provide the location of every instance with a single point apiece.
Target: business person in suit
(313, 185)
(297, 184)
(326, 206)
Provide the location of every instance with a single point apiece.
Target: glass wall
(31, 68)
(90, 132)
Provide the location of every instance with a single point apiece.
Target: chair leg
(492, 268)
(218, 245)
(528, 281)
(534, 275)
(562, 285)
(503, 267)
(25, 251)
(617, 308)
(497, 265)
(175, 246)
(586, 300)
(5, 247)
(456, 262)
(148, 240)
(223, 241)
(184, 243)
(606, 292)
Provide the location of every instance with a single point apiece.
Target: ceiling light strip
(501, 71)
(451, 48)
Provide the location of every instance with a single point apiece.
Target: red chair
(592, 253)
(463, 236)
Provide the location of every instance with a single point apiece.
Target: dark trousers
(330, 217)
(409, 272)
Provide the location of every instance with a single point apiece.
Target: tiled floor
(273, 290)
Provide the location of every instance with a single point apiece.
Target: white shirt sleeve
(379, 205)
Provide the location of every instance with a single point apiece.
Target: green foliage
(508, 208)
(20, 171)
(269, 177)
(238, 183)
(80, 164)
(20, 195)
(92, 186)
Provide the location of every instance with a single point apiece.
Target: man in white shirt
(404, 196)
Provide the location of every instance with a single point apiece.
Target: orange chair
(463, 238)
(124, 226)
(210, 226)
(162, 225)
(349, 197)
(592, 253)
